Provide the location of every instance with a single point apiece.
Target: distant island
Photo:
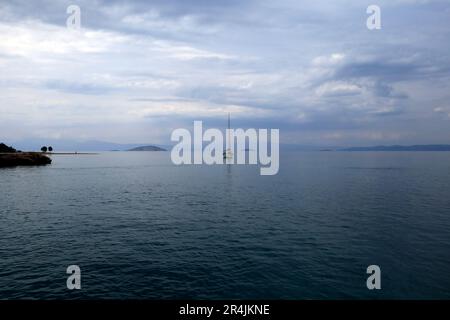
(147, 148)
(426, 147)
(10, 157)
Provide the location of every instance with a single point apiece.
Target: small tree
(50, 149)
(44, 149)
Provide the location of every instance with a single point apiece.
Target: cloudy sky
(136, 70)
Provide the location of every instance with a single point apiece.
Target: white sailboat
(228, 153)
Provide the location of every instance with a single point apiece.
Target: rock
(4, 148)
(23, 159)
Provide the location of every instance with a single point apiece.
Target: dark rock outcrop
(5, 149)
(23, 159)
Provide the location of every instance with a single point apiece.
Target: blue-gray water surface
(140, 227)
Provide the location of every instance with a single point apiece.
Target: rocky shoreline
(23, 159)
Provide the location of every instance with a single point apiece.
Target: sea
(140, 227)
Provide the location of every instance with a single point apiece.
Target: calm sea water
(140, 227)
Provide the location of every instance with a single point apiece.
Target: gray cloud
(310, 68)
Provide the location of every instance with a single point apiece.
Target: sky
(137, 70)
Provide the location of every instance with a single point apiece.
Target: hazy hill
(428, 147)
(35, 144)
(147, 148)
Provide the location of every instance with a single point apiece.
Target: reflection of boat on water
(228, 154)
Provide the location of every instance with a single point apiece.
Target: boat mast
(229, 132)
